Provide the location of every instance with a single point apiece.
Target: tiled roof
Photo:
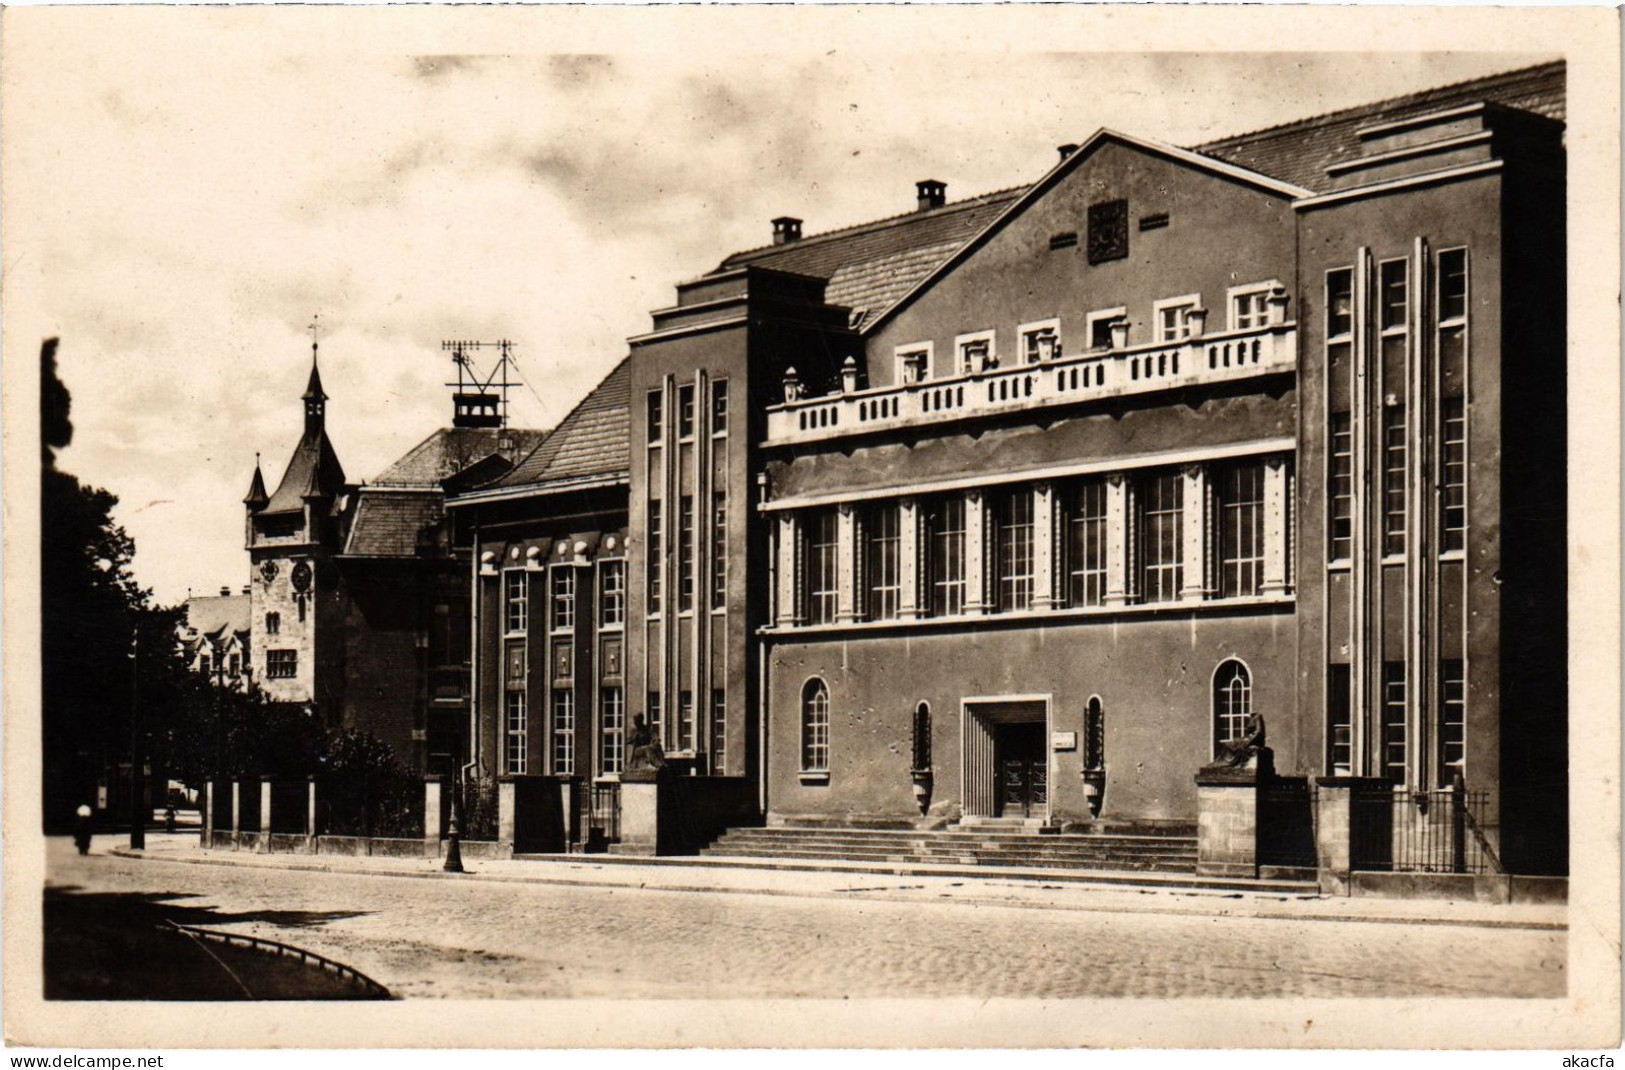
(870, 265)
(1299, 152)
(449, 451)
(213, 614)
(387, 523)
(314, 469)
(594, 440)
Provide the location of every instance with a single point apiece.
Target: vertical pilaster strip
(845, 562)
(1362, 707)
(1044, 546)
(1275, 526)
(1420, 524)
(908, 565)
(1117, 535)
(1192, 529)
(700, 558)
(976, 564)
(860, 563)
(789, 537)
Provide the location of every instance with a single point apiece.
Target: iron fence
(1437, 831)
(479, 810)
(1286, 823)
(600, 814)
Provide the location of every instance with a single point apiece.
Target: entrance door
(1023, 788)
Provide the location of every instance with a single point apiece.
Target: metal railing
(600, 814)
(369, 988)
(1286, 823)
(1438, 831)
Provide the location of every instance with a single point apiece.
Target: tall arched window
(922, 738)
(1094, 736)
(815, 727)
(1232, 702)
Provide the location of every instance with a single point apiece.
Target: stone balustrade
(1145, 369)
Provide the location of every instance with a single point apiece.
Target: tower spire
(315, 398)
(257, 498)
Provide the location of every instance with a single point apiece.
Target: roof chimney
(247, 590)
(786, 229)
(225, 592)
(1066, 150)
(931, 194)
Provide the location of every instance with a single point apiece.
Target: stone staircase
(1014, 847)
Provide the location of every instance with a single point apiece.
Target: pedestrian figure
(81, 830)
(169, 818)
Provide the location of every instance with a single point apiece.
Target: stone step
(952, 859)
(953, 836)
(915, 847)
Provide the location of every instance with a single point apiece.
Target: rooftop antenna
(480, 400)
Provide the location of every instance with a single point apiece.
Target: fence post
(265, 815)
(434, 802)
(505, 816)
(1458, 824)
(1334, 832)
(210, 787)
(236, 813)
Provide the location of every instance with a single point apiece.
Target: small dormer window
(913, 363)
(975, 353)
(1040, 341)
(1173, 317)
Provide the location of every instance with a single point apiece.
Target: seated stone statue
(646, 754)
(1239, 751)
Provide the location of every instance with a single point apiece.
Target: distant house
(214, 637)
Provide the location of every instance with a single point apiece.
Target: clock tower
(295, 597)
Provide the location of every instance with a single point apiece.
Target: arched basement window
(922, 738)
(814, 727)
(1232, 702)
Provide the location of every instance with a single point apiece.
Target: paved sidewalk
(1010, 888)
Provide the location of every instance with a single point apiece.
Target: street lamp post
(138, 820)
(454, 850)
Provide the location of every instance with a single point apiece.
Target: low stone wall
(373, 846)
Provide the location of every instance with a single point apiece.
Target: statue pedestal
(640, 814)
(1227, 816)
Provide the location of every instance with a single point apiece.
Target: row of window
(1393, 737)
(1232, 705)
(1083, 522)
(611, 730)
(562, 591)
(717, 581)
(656, 411)
(1392, 315)
(1173, 320)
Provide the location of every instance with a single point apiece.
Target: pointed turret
(315, 400)
(257, 498)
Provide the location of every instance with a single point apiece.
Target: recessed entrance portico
(1006, 765)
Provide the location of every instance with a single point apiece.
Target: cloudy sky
(186, 191)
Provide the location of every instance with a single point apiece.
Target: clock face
(301, 577)
(268, 572)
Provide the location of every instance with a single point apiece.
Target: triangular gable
(1065, 167)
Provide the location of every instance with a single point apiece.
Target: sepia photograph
(682, 516)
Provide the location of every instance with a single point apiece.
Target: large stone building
(1017, 508)
(358, 601)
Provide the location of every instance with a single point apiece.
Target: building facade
(358, 605)
(1015, 509)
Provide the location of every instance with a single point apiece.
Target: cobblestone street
(893, 936)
